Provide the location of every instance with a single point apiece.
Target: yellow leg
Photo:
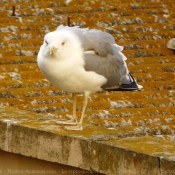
(79, 126)
(84, 109)
(73, 121)
(74, 96)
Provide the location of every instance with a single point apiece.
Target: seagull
(83, 61)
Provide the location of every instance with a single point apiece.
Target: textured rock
(131, 127)
(171, 44)
(95, 148)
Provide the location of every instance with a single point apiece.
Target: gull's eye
(62, 43)
(46, 42)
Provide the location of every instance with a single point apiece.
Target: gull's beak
(52, 50)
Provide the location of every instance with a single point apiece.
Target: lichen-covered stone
(124, 132)
(171, 44)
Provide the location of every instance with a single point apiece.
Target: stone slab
(95, 148)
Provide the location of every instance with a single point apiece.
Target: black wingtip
(127, 87)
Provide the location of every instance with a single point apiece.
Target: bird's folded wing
(109, 67)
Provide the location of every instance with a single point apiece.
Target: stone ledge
(95, 148)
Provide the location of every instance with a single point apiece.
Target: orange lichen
(142, 28)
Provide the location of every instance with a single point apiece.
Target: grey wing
(109, 67)
(104, 43)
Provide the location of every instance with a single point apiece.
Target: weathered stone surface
(167, 166)
(171, 44)
(95, 148)
(138, 124)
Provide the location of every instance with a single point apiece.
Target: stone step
(154, 77)
(116, 100)
(32, 5)
(148, 53)
(23, 83)
(134, 121)
(124, 28)
(30, 51)
(149, 68)
(117, 21)
(151, 29)
(153, 129)
(106, 117)
(22, 1)
(27, 27)
(59, 104)
(31, 92)
(151, 60)
(130, 112)
(158, 85)
(35, 39)
(53, 92)
(147, 44)
(125, 5)
(19, 67)
(114, 21)
(157, 14)
(77, 1)
(20, 42)
(52, 25)
(21, 75)
(144, 36)
(17, 60)
(66, 112)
